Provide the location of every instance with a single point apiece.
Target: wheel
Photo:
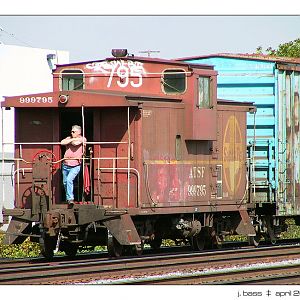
(47, 246)
(198, 242)
(270, 240)
(202, 240)
(138, 249)
(135, 250)
(69, 248)
(155, 243)
(254, 240)
(270, 236)
(217, 240)
(114, 248)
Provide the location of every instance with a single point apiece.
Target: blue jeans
(69, 174)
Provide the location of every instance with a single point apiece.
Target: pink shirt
(74, 153)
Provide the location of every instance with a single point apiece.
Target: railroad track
(235, 266)
(284, 272)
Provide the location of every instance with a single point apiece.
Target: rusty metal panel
(68, 99)
(130, 75)
(172, 179)
(110, 170)
(205, 173)
(205, 124)
(232, 141)
(123, 229)
(34, 126)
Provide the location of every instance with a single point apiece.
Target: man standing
(75, 147)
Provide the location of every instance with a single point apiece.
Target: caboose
(164, 158)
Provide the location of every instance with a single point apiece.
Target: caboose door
(115, 176)
(36, 131)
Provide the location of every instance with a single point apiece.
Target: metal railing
(20, 170)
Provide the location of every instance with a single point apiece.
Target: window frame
(183, 71)
(178, 147)
(210, 104)
(61, 75)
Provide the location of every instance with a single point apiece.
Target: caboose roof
(145, 59)
(87, 98)
(249, 104)
(247, 56)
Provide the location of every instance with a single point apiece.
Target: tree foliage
(289, 49)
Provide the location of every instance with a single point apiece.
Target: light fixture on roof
(119, 52)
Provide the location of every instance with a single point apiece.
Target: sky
(91, 37)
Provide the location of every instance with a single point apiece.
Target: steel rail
(269, 274)
(60, 272)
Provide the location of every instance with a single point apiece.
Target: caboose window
(174, 81)
(204, 98)
(72, 80)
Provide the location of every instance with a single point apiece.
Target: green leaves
(26, 249)
(289, 49)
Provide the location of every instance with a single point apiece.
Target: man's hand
(66, 141)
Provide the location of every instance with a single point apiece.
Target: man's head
(76, 131)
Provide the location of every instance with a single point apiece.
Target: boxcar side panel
(288, 142)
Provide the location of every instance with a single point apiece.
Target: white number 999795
(40, 100)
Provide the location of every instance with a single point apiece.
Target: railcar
(165, 159)
(272, 83)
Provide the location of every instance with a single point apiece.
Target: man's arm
(66, 141)
(74, 141)
(77, 141)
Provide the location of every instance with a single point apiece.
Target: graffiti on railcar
(130, 73)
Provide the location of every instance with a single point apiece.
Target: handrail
(126, 169)
(58, 143)
(20, 169)
(128, 155)
(62, 159)
(114, 169)
(83, 146)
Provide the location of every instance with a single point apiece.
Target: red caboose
(164, 158)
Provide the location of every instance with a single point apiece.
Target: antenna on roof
(149, 52)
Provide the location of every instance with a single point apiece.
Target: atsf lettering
(196, 190)
(197, 172)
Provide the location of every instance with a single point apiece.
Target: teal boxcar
(272, 83)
